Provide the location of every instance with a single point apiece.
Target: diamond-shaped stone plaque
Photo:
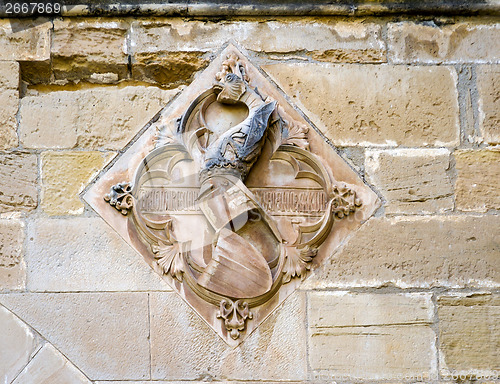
(231, 196)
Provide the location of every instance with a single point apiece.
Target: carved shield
(232, 196)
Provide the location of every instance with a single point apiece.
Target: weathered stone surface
(355, 157)
(375, 105)
(84, 254)
(183, 347)
(324, 40)
(12, 236)
(9, 103)
(477, 187)
(409, 42)
(170, 69)
(17, 344)
(25, 39)
(449, 251)
(49, 366)
(13, 278)
(488, 85)
(345, 309)
(64, 175)
(339, 41)
(81, 48)
(92, 118)
(12, 265)
(18, 180)
(412, 180)
(36, 72)
(409, 352)
(371, 336)
(469, 333)
(49, 120)
(103, 334)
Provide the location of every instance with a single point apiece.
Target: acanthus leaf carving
(164, 136)
(168, 254)
(169, 259)
(297, 135)
(298, 262)
(294, 132)
(167, 251)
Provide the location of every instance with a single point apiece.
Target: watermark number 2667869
(23, 9)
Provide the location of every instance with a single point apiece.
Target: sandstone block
(12, 265)
(477, 187)
(17, 345)
(49, 120)
(103, 334)
(371, 336)
(84, 254)
(323, 40)
(352, 42)
(81, 48)
(64, 175)
(183, 347)
(410, 42)
(446, 251)
(49, 366)
(25, 39)
(469, 334)
(170, 69)
(106, 118)
(408, 352)
(9, 103)
(488, 85)
(375, 105)
(18, 181)
(412, 180)
(345, 309)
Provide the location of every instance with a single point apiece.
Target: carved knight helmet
(237, 149)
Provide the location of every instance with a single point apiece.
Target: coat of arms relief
(232, 196)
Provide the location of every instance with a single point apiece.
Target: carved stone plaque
(231, 196)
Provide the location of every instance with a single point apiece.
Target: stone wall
(413, 104)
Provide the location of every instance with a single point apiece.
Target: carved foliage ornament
(232, 197)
